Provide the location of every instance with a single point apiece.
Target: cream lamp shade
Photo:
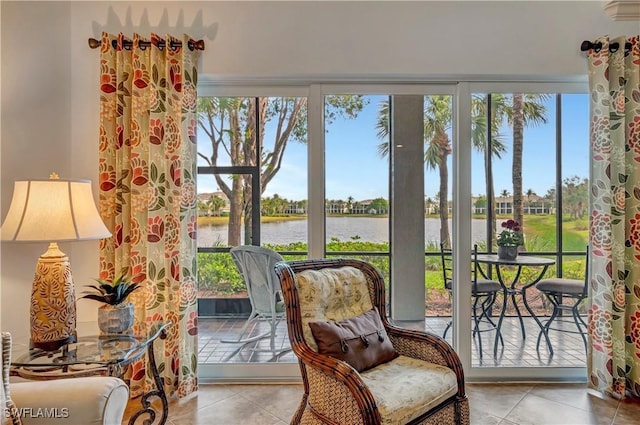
(53, 210)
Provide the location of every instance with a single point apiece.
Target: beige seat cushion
(405, 388)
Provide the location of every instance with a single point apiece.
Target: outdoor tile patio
(517, 352)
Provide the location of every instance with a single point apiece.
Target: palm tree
(530, 193)
(203, 208)
(438, 112)
(519, 111)
(428, 201)
(437, 121)
(302, 206)
(550, 196)
(437, 202)
(217, 203)
(527, 109)
(481, 139)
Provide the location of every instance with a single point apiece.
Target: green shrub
(218, 274)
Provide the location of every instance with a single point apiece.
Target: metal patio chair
(558, 290)
(483, 293)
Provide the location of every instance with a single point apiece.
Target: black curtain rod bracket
(613, 47)
(193, 44)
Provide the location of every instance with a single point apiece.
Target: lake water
(368, 229)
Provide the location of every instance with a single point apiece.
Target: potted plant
(116, 314)
(509, 240)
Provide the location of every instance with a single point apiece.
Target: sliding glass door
(250, 149)
(386, 164)
(392, 174)
(529, 164)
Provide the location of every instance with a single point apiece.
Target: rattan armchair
(424, 385)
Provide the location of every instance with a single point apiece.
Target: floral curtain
(614, 316)
(148, 193)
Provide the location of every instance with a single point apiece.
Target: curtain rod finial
(199, 44)
(94, 44)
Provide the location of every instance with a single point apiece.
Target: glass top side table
(105, 354)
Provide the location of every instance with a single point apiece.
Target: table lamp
(53, 210)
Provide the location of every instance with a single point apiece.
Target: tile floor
(517, 351)
(491, 404)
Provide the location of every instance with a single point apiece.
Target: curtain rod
(613, 47)
(193, 44)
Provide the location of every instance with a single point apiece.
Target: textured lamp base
(53, 301)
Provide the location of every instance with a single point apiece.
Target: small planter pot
(115, 318)
(507, 252)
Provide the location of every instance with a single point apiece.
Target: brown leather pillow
(360, 341)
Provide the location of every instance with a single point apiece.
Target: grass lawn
(222, 221)
(541, 229)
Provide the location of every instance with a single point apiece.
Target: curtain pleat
(614, 276)
(148, 195)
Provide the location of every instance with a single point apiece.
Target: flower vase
(507, 252)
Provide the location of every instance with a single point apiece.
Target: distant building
(205, 199)
(533, 204)
(295, 208)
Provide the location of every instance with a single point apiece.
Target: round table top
(520, 260)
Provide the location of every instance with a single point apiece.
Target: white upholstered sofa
(79, 401)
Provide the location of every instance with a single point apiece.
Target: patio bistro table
(510, 290)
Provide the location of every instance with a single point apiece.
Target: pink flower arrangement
(511, 235)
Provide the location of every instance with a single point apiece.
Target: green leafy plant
(511, 235)
(111, 293)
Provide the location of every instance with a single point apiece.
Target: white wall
(49, 74)
(374, 39)
(36, 137)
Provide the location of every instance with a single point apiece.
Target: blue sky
(355, 169)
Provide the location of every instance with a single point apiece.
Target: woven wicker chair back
(328, 289)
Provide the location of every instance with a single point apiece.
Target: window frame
(461, 221)
(462, 211)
